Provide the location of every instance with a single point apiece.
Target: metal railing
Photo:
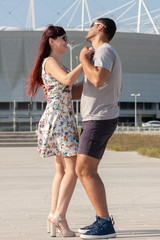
(141, 130)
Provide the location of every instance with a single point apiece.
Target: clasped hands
(86, 53)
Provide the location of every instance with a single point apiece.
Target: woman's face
(60, 44)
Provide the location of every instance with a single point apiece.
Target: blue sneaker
(87, 228)
(102, 230)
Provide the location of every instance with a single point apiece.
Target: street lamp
(135, 97)
(71, 47)
(42, 105)
(14, 116)
(30, 115)
(76, 57)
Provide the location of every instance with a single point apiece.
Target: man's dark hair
(110, 27)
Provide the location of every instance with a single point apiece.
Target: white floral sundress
(57, 130)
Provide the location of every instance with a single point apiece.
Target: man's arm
(77, 90)
(96, 75)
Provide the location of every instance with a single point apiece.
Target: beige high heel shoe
(65, 232)
(51, 228)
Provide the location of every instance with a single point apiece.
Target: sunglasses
(97, 23)
(65, 38)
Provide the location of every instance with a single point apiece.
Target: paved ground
(133, 189)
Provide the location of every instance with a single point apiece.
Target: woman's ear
(51, 41)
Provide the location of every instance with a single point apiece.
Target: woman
(57, 132)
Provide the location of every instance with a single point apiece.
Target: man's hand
(86, 53)
(95, 75)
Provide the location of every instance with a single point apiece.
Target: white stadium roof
(130, 15)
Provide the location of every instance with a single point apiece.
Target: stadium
(140, 57)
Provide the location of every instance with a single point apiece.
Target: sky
(13, 13)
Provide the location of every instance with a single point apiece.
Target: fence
(140, 130)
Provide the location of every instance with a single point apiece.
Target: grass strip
(147, 145)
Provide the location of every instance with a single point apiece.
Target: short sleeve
(104, 57)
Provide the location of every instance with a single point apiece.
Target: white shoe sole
(82, 231)
(83, 236)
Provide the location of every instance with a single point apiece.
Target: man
(99, 109)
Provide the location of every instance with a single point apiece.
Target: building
(140, 56)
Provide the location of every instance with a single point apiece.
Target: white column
(33, 15)
(151, 19)
(83, 2)
(88, 12)
(139, 16)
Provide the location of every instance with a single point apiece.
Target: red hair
(35, 80)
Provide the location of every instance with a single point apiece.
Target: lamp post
(76, 57)
(14, 116)
(42, 105)
(30, 115)
(77, 101)
(71, 47)
(135, 97)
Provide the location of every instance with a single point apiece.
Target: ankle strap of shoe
(58, 220)
(51, 215)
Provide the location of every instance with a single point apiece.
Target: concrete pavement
(132, 185)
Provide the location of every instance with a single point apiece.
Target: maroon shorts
(95, 135)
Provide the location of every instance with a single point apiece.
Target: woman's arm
(53, 68)
(76, 91)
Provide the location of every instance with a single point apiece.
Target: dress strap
(43, 65)
(44, 62)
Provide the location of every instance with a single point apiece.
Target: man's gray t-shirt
(102, 103)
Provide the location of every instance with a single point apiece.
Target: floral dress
(57, 130)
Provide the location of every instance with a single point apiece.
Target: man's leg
(93, 141)
(102, 228)
(86, 169)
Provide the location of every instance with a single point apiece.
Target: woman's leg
(66, 188)
(56, 183)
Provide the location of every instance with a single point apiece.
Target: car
(154, 123)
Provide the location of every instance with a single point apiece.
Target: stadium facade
(139, 53)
